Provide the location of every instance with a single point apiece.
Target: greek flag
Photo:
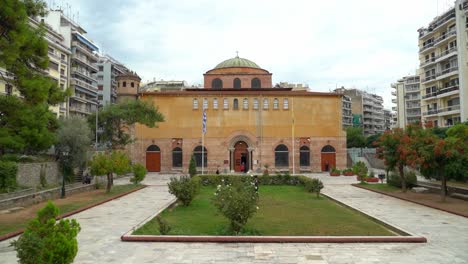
(204, 121)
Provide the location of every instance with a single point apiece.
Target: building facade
(84, 56)
(443, 56)
(108, 70)
(162, 85)
(369, 107)
(249, 125)
(407, 97)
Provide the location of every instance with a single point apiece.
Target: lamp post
(97, 123)
(64, 157)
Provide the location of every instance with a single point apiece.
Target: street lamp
(64, 154)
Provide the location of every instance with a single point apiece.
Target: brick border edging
(408, 200)
(18, 232)
(273, 239)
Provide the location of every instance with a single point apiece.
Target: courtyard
(99, 240)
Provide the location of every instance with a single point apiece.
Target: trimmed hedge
(8, 170)
(310, 184)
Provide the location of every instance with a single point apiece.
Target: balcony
(92, 88)
(428, 78)
(446, 54)
(53, 55)
(447, 72)
(413, 106)
(412, 98)
(394, 93)
(447, 36)
(448, 91)
(85, 50)
(426, 47)
(413, 115)
(83, 73)
(394, 108)
(87, 63)
(394, 100)
(430, 112)
(427, 62)
(449, 110)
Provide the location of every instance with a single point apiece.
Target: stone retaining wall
(29, 174)
(34, 198)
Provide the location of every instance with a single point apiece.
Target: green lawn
(18, 220)
(283, 210)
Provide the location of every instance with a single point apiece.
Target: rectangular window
(101, 68)
(205, 103)
(215, 103)
(255, 103)
(100, 77)
(195, 103)
(100, 87)
(225, 103)
(285, 103)
(53, 65)
(245, 104)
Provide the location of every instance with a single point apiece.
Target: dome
(237, 62)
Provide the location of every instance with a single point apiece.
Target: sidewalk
(102, 226)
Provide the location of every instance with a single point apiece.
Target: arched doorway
(153, 158)
(328, 158)
(241, 157)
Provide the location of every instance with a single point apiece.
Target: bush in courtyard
(8, 170)
(237, 201)
(164, 227)
(46, 241)
(184, 189)
(395, 180)
(372, 174)
(314, 186)
(139, 173)
(360, 168)
(192, 167)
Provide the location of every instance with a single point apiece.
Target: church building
(249, 125)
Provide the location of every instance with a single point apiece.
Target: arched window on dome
(237, 83)
(256, 83)
(235, 104)
(217, 84)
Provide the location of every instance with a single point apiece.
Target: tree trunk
(402, 178)
(443, 187)
(109, 182)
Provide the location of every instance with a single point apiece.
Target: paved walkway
(102, 226)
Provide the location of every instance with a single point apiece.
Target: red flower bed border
(334, 174)
(348, 173)
(19, 232)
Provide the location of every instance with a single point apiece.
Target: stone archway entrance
(241, 157)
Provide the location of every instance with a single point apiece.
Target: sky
(364, 44)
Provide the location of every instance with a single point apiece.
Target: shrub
(192, 167)
(139, 173)
(395, 180)
(314, 186)
(237, 201)
(164, 227)
(360, 168)
(184, 189)
(8, 170)
(371, 174)
(45, 241)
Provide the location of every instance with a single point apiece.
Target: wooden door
(153, 161)
(240, 155)
(328, 161)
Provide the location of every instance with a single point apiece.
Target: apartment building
(108, 70)
(84, 56)
(388, 119)
(59, 56)
(369, 107)
(347, 115)
(443, 55)
(407, 97)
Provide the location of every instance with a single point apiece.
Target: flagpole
(203, 137)
(292, 138)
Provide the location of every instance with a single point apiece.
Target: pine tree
(26, 123)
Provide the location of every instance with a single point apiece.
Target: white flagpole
(203, 138)
(292, 138)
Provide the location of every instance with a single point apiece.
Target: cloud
(367, 44)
